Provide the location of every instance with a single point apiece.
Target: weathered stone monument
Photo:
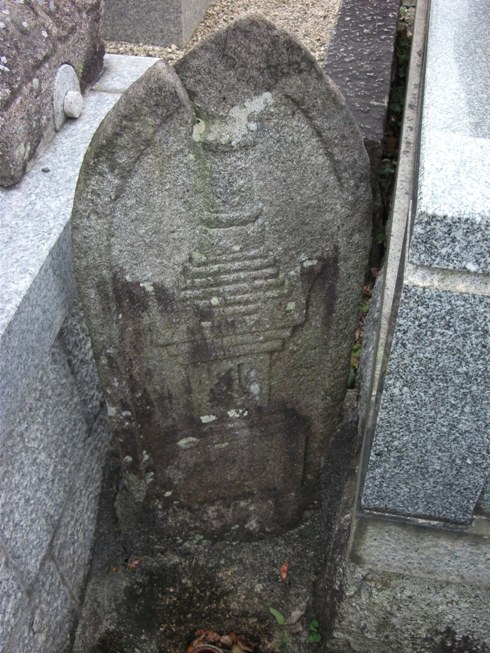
(221, 231)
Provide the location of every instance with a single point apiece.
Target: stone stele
(221, 230)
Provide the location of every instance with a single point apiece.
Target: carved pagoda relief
(221, 234)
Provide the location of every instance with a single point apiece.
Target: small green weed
(285, 643)
(278, 616)
(315, 637)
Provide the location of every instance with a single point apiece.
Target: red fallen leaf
(114, 570)
(284, 571)
(206, 637)
(134, 564)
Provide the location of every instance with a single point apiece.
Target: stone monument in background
(221, 232)
(155, 22)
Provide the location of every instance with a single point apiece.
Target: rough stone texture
(415, 590)
(39, 458)
(226, 346)
(72, 544)
(431, 452)
(153, 22)
(47, 624)
(52, 432)
(12, 596)
(360, 60)
(36, 39)
(452, 223)
(50, 472)
(414, 585)
(484, 501)
(76, 345)
(185, 580)
(38, 287)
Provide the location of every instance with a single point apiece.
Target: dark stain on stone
(221, 394)
(329, 277)
(451, 642)
(143, 407)
(112, 364)
(322, 278)
(126, 444)
(130, 296)
(165, 298)
(199, 347)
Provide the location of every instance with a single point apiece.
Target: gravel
(310, 21)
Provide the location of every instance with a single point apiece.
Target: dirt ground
(150, 594)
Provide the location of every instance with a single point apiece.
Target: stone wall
(53, 434)
(50, 468)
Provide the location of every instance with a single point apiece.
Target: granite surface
(360, 60)
(53, 435)
(39, 457)
(72, 544)
(12, 597)
(416, 589)
(420, 551)
(46, 624)
(387, 612)
(484, 501)
(35, 267)
(431, 450)
(452, 222)
(154, 22)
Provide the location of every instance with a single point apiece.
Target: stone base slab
(415, 589)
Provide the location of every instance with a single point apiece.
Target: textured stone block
(37, 38)
(452, 223)
(155, 22)
(75, 341)
(387, 612)
(39, 457)
(414, 589)
(72, 546)
(224, 349)
(38, 286)
(484, 502)
(49, 460)
(49, 618)
(12, 599)
(360, 60)
(431, 450)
